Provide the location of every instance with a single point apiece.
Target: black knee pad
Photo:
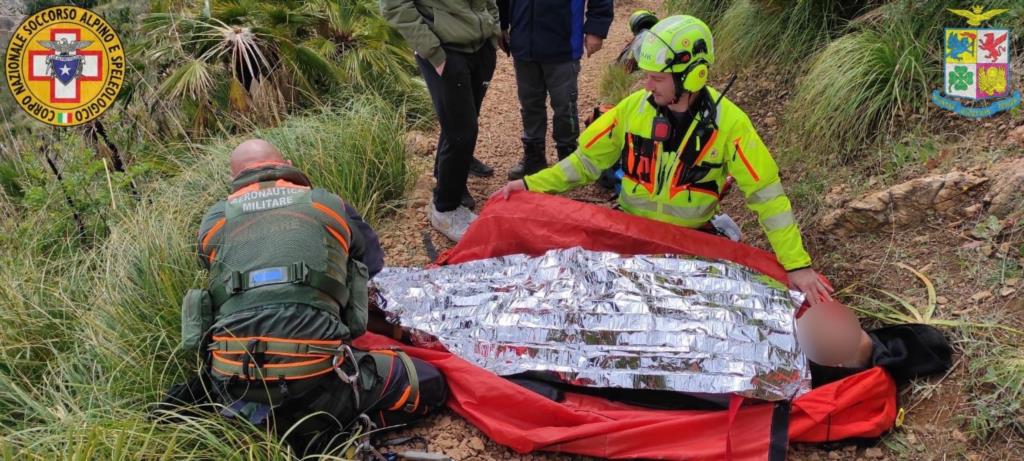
(433, 386)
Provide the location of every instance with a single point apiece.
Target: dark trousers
(536, 81)
(316, 413)
(457, 95)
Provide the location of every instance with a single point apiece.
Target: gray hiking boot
(452, 224)
(532, 162)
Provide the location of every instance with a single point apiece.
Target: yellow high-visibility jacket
(683, 187)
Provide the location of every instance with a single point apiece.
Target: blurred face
(660, 84)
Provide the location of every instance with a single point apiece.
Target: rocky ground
(955, 218)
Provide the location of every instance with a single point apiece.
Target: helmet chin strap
(678, 82)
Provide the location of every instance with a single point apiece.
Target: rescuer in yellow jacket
(679, 140)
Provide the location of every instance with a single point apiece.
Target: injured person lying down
(614, 325)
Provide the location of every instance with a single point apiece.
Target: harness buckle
(300, 273)
(233, 284)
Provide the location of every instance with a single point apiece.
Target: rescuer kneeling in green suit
(287, 293)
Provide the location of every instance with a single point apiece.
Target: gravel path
(499, 145)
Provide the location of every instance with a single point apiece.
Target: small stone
(987, 250)
(959, 436)
(874, 453)
(973, 210)
(1011, 282)
(1004, 249)
(447, 443)
(981, 296)
(419, 143)
(1007, 291)
(834, 455)
(971, 245)
(1016, 135)
(912, 439)
(867, 265)
(476, 444)
(942, 301)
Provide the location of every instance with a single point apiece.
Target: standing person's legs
(441, 141)
(561, 81)
(453, 98)
(532, 91)
(482, 70)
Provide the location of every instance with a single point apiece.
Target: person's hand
(593, 44)
(503, 41)
(809, 282)
(509, 188)
(440, 68)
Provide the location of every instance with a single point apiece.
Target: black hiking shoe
(479, 169)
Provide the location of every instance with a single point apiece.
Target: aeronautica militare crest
(65, 65)
(977, 67)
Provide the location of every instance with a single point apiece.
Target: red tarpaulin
(863, 405)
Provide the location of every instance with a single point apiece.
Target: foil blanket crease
(599, 319)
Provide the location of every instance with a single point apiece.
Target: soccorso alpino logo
(65, 65)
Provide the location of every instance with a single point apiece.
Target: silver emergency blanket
(598, 319)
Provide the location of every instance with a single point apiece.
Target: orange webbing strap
(287, 371)
(270, 345)
(410, 399)
(319, 354)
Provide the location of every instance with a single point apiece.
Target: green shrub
(236, 64)
(754, 34)
(857, 89)
(997, 396)
(88, 342)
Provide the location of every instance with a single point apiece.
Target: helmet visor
(652, 54)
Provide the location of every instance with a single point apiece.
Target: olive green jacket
(432, 25)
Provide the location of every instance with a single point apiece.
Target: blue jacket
(552, 30)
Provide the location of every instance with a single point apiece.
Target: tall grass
(708, 11)
(363, 153)
(754, 34)
(859, 88)
(616, 83)
(88, 342)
